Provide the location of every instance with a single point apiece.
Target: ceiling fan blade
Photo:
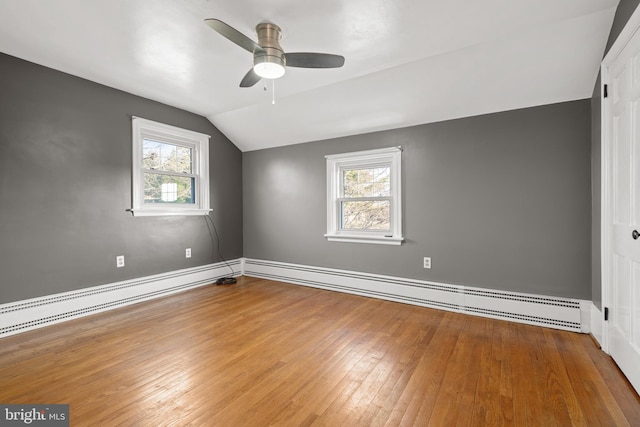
(233, 35)
(314, 60)
(250, 79)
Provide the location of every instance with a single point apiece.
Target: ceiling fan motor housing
(269, 36)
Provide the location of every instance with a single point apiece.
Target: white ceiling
(407, 62)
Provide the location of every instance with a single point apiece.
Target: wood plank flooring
(264, 353)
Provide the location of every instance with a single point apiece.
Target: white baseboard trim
(597, 323)
(585, 316)
(21, 316)
(553, 312)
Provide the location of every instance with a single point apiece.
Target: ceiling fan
(269, 59)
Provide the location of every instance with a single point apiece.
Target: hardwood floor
(266, 353)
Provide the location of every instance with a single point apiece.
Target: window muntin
(170, 170)
(363, 196)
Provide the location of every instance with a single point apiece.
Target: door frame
(606, 150)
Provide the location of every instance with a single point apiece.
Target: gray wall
(623, 13)
(65, 182)
(499, 201)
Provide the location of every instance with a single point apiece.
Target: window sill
(376, 240)
(169, 212)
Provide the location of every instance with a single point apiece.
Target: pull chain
(273, 91)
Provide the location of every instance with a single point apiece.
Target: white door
(621, 267)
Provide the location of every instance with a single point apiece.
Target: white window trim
(143, 128)
(335, 163)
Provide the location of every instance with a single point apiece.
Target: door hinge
(606, 91)
(606, 314)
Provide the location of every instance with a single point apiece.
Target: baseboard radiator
(34, 313)
(553, 312)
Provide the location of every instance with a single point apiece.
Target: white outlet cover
(427, 262)
(187, 253)
(120, 261)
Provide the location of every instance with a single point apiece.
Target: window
(364, 197)
(170, 170)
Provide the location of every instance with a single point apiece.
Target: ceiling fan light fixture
(269, 59)
(269, 67)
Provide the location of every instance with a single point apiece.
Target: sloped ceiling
(407, 62)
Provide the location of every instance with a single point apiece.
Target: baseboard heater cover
(21, 316)
(553, 312)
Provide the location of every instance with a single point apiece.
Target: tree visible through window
(168, 173)
(366, 199)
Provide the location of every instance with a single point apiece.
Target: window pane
(366, 215)
(369, 182)
(160, 188)
(382, 182)
(166, 157)
(350, 183)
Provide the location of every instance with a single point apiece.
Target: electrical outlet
(120, 261)
(187, 253)
(427, 262)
